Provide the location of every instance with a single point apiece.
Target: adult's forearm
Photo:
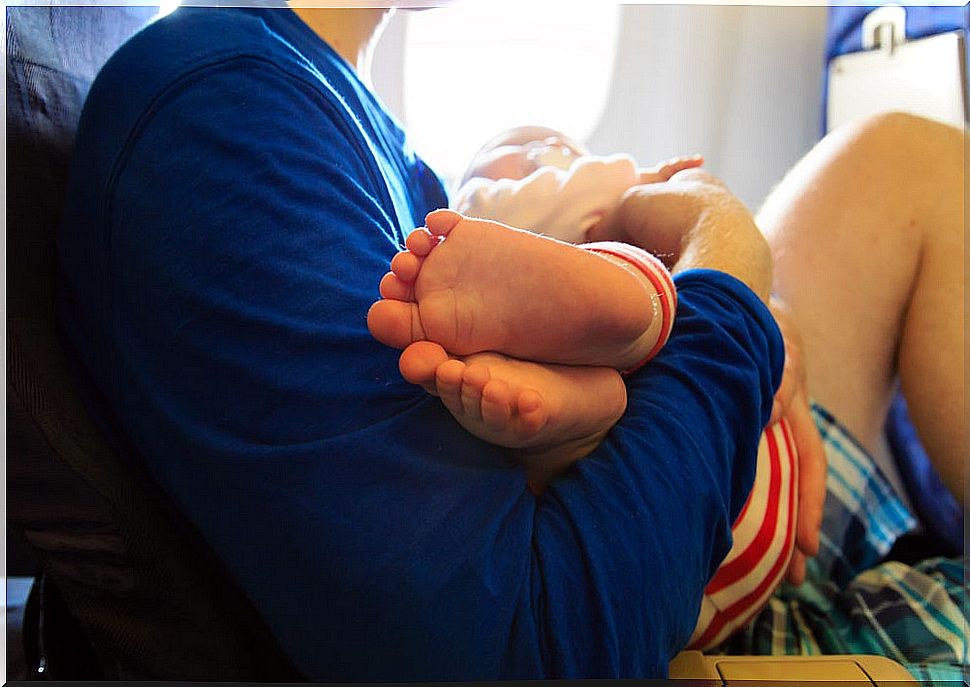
(727, 240)
(692, 221)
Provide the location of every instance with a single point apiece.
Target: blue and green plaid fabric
(853, 604)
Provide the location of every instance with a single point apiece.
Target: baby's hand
(608, 229)
(662, 171)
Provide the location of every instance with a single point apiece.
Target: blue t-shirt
(236, 196)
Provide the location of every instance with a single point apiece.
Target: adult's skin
(869, 257)
(352, 33)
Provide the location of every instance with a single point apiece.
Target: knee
(893, 124)
(894, 133)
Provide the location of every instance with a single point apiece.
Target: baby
(555, 412)
(537, 178)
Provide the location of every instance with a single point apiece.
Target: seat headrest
(53, 55)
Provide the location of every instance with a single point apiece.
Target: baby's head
(518, 152)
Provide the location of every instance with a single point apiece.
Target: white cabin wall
(740, 84)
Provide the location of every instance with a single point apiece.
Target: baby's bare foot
(554, 414)
(474, 285)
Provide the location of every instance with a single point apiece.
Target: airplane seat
(127, 588)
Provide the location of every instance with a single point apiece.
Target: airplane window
(479, 66)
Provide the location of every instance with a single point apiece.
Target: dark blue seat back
(844, 32)
(132, 593)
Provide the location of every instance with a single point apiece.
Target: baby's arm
(562, 204)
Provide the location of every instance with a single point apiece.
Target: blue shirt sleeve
(377, 538)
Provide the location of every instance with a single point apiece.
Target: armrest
(732, 670)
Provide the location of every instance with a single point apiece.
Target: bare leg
(867, 236)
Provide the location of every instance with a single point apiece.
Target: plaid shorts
(851, 602)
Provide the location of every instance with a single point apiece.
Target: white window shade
(480, 66)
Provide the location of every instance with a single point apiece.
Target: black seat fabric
(150, 600)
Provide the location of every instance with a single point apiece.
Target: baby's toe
(406, 266)
(448, 381)
(497, 404)
(473, 381)
(532, 413)
(395, 323)
(395, 288)
(421, 241)
(440, 222)
(420, 361)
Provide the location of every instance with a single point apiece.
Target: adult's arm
(692, 221)
(378, 539)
